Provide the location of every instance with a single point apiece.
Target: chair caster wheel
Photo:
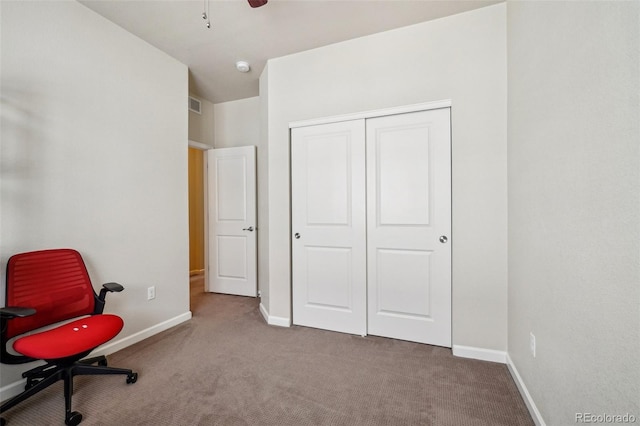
(73, 419)
(102, 363)
(132, 378)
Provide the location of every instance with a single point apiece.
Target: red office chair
(44, 288)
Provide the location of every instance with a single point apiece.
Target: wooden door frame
(205, 187)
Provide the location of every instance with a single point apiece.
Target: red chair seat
(65, 341)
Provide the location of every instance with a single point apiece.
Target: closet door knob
(297, 236)
(443, 239)
(250, 229)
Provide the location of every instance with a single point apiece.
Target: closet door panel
(328, 178)
(401, 176)
(408, 209)
(329, 277)
(328, 226)
(399, 276)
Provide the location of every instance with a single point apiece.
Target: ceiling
(279, 28)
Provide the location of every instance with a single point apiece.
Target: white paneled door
(371, 226)
(232, 221)
(328, 225)
(409, 226)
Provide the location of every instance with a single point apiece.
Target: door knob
(297, 236)
(250, 229)
(443, 239)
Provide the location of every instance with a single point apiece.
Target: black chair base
(40, 378)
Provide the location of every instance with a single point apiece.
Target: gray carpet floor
(228, 367)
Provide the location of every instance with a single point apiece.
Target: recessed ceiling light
(243, 66)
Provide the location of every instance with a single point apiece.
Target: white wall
(94, 156)
(462, 58)
(237, 123)
(201, 126)
(263, 191)
(574, 205)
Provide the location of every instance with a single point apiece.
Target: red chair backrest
(53, 282)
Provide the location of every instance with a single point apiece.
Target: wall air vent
(194, 105)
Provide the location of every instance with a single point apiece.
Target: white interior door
(232, 221)
(328, 226)
(409, 226)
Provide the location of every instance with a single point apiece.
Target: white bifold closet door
(377, 247)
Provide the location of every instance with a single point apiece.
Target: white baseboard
(480, 353)
(15, 388)
(271, 320)
(528, 400)
(264, 313)
(503, 358)
(117, 345)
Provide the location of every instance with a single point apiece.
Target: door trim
(205, 187)
(425, 106)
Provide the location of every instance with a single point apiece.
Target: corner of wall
(524, 392)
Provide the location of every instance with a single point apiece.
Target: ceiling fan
(257, 3)
(205, 12)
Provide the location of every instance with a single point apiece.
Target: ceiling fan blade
(257, 3)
